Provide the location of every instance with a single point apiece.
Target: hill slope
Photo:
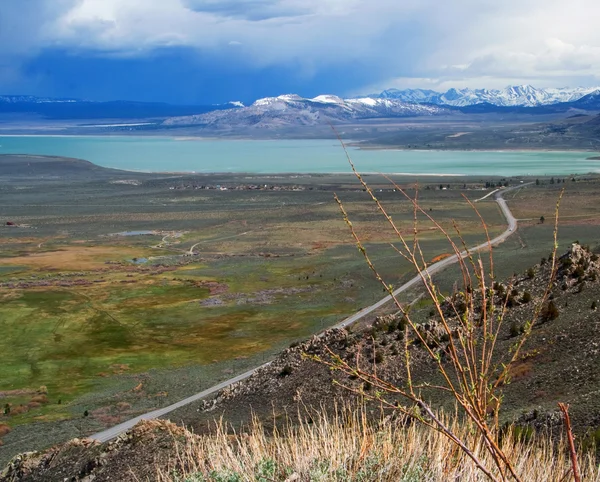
(15, 167)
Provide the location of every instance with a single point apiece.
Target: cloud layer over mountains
(211, 49)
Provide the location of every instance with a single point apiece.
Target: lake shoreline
(180, 156)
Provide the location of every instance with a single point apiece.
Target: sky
(215, 51)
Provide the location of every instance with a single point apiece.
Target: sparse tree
(542, 219)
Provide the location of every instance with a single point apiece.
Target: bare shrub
(472, 370)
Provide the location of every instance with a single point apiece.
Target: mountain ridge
(510, 96)
(293, 110)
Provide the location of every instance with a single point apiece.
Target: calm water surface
(300, 156)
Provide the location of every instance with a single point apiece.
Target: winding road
(117, 430)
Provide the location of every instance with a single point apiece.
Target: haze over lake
(292, 156)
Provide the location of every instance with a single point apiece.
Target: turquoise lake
(298, 156)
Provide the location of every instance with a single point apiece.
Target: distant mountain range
(520, 95)
(57, 109)
(293, 111)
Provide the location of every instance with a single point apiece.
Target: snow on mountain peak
(515, 95)
(290, 97)
(328, 99)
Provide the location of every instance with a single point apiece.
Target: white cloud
(416, 43)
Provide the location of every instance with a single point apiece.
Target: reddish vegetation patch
(4, 429)
(18, 410)
(441, 257)
(119, 369)
(320, 245)
(17, 393)
(123, 406)
(214, 287)
(107, 416)
(40, 399)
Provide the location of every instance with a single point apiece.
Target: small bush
(286, 371)
(530, 273)
(526, 297)
(594, 305)
(550, 312)
(515, 329)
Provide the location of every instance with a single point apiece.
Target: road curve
(117, 430)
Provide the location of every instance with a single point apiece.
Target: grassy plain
(108, 325)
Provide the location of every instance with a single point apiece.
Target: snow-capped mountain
(30, 99)
(520, 95)
(420, 96)
(293, 110)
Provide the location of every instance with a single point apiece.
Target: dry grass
(346, 447)
(72, 258)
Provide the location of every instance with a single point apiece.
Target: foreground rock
(135, 455)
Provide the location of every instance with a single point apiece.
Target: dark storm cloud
(309, 46)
